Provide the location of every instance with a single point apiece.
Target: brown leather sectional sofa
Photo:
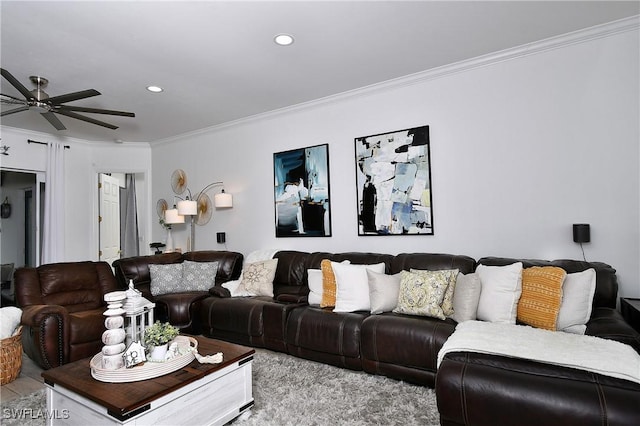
(471, 388)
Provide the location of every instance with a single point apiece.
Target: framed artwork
(301, 192)
(393, 179)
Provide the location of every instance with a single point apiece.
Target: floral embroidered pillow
(257, 278)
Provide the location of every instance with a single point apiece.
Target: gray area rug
(293, 391)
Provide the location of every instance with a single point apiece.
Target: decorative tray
(148, 370)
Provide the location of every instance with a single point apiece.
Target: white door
(109, 219)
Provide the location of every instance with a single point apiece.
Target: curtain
(129, 240)
(53, 232)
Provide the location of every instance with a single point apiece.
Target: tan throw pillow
(257, 278)
(328, 285)
(466, 297)
(422, 294)
(541, 296)
(447, 302)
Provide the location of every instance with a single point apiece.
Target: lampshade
(581, 233)
(223, 200)
(172, 216)
(187, 208)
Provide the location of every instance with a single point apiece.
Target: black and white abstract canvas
(393, 178)
(302, 192)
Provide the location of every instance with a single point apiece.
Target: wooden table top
(121, 399)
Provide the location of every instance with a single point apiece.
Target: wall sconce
(581, 234)
(5, 209)
(198, 208)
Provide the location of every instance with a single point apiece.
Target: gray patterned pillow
(422, 294)
(165, 278)
(198, 276)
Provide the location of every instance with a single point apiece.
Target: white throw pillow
(577, 300)
(233, 287)
(10, 317)
(501, 290)
(383, 291)
(466, 297)
(165, 278)
(314, 278)
(352, 286)
(257, 278)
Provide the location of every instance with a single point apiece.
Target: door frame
(144, 209)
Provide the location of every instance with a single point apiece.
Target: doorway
(120, 197)
(21, 231)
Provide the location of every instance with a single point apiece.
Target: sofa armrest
(219, 291)
(46, 329)
(608, 323)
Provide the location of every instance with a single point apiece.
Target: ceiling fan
(40, 101)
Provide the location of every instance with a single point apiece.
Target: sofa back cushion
(432, 262)
(354, 258)
(78, 286)
(606, 280)
(136, 268)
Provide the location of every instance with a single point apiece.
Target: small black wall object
(581, 233)
(221, 237)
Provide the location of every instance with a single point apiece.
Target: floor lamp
(198, 208)
(171, 216)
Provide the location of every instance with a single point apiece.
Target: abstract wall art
(302, 192)
(393, 179)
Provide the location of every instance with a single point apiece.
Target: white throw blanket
(603, 356)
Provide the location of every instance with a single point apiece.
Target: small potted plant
(157, 337)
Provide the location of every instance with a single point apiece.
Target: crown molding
(533, 48)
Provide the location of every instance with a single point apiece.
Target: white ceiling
(217, 61)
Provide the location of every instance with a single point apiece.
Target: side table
(630, 309)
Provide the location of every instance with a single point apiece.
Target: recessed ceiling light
(283, 39)
(155, 89)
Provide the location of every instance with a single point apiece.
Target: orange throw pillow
(541, 296)
(328, 285)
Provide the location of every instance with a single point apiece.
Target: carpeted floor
(292, 391)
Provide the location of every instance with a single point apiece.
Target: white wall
(83, 161)
(521, 149)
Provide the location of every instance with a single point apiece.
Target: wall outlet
(221, 237)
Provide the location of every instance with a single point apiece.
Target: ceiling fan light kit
(40, 101)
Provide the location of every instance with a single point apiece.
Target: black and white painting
(302, 192)
(393, 178)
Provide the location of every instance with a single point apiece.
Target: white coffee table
(198, 394)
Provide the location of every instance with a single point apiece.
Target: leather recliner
(62, 310)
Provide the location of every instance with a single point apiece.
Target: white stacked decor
(138, 314)
(114, 336)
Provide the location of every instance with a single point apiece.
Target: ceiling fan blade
(8, 99)
(70, 97)
(15, 83)
(94, 110)
(12, 111)
(87, 119)
(55, 121)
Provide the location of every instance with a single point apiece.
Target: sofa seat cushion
(87, 326)
(404, 340)
(322, 330)
(86, 330)
(176, 307)
(239, 315)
